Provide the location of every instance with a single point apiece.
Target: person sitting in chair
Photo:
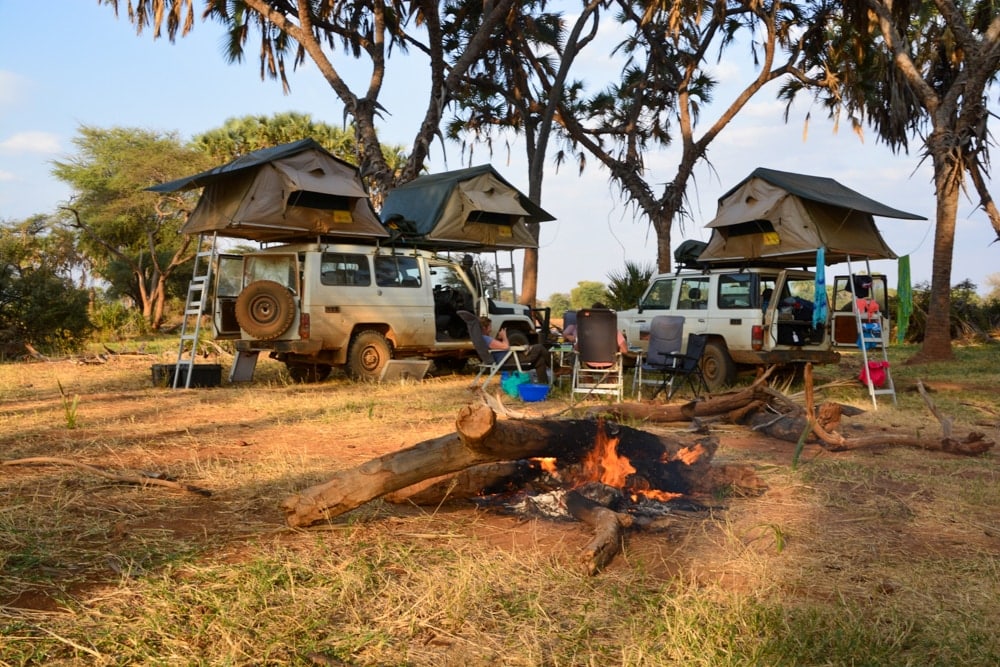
(536, 356)
(628, 357)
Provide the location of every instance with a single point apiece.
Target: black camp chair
(665, 338)
(488, 364)
(597, 368)
(688, 366)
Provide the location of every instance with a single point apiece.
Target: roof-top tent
(779, 218)
(471, 209)
(290, 192)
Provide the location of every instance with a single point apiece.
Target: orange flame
(547, 464)
(603, 464)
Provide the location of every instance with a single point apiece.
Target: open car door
(228, 283)
(843, 319)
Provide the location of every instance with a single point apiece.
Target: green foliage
(587, 293)
(627, 286)
(559, 304)
(971, 317)
(116, 321)
(69, 406)
(239, 136)
(38, 302)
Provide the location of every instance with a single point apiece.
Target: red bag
(876, 369)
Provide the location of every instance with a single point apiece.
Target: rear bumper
(307, 347)
(797, 356)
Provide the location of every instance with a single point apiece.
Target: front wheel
(717, 366)
(368, 355)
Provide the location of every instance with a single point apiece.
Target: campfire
(607, 475)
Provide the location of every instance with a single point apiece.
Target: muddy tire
(368, 355)
(717, 366)
(309, 373)
(516, 337)
(265, 309)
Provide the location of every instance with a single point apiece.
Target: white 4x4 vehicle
(316, 306)
(746, 326)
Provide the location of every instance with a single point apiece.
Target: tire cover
(265, 309)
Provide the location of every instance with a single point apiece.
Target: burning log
(659, 462)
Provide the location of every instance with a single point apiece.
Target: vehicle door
(228, 284)
(450, 294)
(658, 300)
(844, 322)
(340, 292)
(792, 314)
(735, 310)
(693, 292)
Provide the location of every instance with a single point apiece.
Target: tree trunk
(947, 184)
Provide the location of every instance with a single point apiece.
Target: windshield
(659, 295)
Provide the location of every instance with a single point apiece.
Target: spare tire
(265, 309)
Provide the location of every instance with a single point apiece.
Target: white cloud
(31, 142)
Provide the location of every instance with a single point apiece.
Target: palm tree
(627, 286)
(515, 87)
(918, 69)
(368, 31)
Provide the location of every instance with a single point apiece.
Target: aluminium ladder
(879, 342)
(194, 308)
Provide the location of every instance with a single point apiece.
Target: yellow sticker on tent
(772, 238)
(342, 217)
(503, 231)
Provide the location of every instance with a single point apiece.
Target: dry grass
(877, 557)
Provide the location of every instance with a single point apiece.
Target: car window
(659, 295)
(349, 269)
(735, 290)
(693, 293)
(397, 271)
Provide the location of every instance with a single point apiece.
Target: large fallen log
(480, 438)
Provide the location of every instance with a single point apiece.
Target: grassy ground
(886, 556)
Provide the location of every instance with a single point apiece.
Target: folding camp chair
(688, 366)
(489, 365)
(597, 368)
(665, 338)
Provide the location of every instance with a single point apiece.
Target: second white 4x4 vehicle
(753, 317)
(316, 306)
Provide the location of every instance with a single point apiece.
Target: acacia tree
(123, 228)
(919, 69)
(665, 86)
(292, 30)
(39, 304)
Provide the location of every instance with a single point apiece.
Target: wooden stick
(946, 422)
(142, 480)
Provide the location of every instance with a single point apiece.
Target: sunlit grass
(879, 557)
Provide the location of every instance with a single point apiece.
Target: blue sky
(82, 66)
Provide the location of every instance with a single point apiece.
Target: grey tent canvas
(472, 208)
(288, 192)
(781, 218)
